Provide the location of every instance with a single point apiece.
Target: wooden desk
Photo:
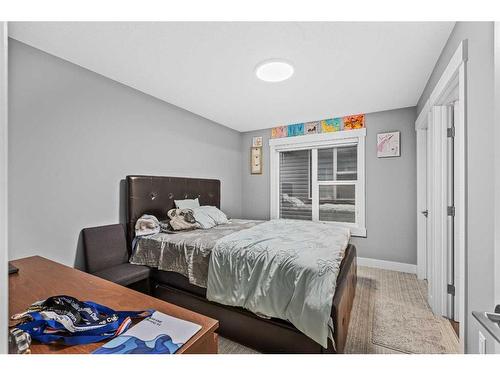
(39, 278)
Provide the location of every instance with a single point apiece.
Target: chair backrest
(105, 247)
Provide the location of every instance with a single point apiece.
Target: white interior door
(422, 211)
(438, 211)
(429, 196)
(441, 202)
(450, 220)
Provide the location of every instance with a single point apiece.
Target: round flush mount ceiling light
(274, 70)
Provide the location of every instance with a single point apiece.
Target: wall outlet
(481, 343)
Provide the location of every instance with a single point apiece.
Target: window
(320, 177)
(337, 178)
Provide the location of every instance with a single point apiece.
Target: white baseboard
(387, 265)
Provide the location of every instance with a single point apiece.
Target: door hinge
(451, 289)
(450, 132)
(451, 210)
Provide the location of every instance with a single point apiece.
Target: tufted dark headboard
(155, 195)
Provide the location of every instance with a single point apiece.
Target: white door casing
(428, 186)
(422, 204)
(497, 159)
(450, 89)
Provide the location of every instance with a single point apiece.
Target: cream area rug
(390, 315)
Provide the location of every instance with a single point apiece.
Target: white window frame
(309, 176)
(314, 142)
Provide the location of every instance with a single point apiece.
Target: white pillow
(216, 214)
(187, 203)
(203, 218)
(209, 216)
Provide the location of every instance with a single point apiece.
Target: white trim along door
(441, 193)
(497, 161)
(422, 212)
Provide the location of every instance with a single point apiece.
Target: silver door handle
(425, 213)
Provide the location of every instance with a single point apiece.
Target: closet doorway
(441, 195)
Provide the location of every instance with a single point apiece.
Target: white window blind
(295, 199)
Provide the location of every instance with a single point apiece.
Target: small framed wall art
(257, 142)
(279, 132)
(354, 122)
(331, 125)
(388, 145)
(312, 127)
(295, 130)
(256, 160)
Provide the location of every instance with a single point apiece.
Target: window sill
(355, 231)
(358, 232)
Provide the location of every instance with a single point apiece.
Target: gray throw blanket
(184, 252)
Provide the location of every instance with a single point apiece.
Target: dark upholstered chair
(107, 256)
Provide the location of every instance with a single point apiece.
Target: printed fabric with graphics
(182, 219)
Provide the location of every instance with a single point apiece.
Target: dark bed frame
(155, 195)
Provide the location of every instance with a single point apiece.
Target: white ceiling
(208, 67)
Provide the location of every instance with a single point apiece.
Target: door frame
(421, 203)
(496, 53)
(452, 82)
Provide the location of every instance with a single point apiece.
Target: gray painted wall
(390, 189)
(73, 135)
(480, 156)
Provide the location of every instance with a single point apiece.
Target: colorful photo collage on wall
(324, 126)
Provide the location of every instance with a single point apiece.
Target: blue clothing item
(66, 320)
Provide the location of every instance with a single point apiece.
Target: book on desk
(157, 334)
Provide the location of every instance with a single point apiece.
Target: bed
(155, 195)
